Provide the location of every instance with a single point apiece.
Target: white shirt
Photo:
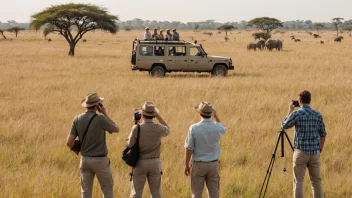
(147, 36)
(203, 140)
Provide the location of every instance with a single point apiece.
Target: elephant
(338, 39)
(252, 46)
(273, 44)
(261, 44)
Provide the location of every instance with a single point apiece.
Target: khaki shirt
(149, 140)
(94, 143)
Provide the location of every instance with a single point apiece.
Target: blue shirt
(203, 140)
(309, 127)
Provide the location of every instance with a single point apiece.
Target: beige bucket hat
(206, 109)
(149, 109)
(91, 100)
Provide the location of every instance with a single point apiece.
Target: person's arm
(291, 118)
(161, 120)
(188, 155)
(70, 140)
(114, 128)
(322, 134)
(216, 117)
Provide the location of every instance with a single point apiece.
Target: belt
(207, 162)
(94, 155)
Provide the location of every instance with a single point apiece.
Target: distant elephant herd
(269, 45)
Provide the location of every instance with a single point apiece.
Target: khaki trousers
(147, 170)
(302, 161)
(207, 172)
(99, 166)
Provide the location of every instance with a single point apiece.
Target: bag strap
(85, 132)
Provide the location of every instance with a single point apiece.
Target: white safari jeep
(159, 57)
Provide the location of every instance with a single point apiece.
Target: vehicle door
(178, 55)
(198, 61)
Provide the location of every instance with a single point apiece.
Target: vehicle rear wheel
(219, 70)
(158, 71)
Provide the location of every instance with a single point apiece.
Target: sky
(194, 10)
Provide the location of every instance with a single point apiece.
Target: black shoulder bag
(131, 155)
(78, 143)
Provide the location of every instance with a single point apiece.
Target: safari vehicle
(161, 57)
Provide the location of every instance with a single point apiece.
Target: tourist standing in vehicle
(161, 35)
(202, 145)
(149, 165)
(168, 36)
(155, 34)
(175, 36)
(147, 34)
(91, 129)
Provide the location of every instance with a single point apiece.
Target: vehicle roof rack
(163, 42)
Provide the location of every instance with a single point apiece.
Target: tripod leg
(282, 143)
(289, 141)
(270, 168)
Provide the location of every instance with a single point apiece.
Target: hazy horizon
(196, 10)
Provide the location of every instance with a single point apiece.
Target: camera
(295, 103)
(137, 115)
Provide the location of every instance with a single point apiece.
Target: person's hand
(291, 107)
(187, 170)
(102, 110)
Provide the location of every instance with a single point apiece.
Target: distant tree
(81, 17)
(2, 34)
(15, 30)
(226, 28)
(196, 27)
(337, 22)
(347, 25)
(265, 24)
(127, 29)
(318, 26)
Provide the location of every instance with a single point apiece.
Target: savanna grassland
(41, 89)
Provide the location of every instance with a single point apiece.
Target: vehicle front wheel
(158, 71)
(219, 70)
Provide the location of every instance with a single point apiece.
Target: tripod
(281, 139)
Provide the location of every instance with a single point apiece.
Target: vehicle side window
(195, 51)
(159, 51)
(177, 51)
(146, 50)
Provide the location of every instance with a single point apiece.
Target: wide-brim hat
(147, 28)
(149, 109)
(206, 109)
(91, 100)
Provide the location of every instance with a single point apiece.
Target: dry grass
(41, 88)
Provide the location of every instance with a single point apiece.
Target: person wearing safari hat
(149, 164)
(147, 34)
(90, 128)
(202, 145)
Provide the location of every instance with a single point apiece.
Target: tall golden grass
(41, 89)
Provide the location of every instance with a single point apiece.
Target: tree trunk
(72, 49)
(16, 34)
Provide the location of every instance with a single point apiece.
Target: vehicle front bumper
(231, 67)
(134, 67)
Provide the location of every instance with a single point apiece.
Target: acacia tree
(82, 18)
(266, 25)
(15, 30)
(337, 22)
(347, 25)
(2, 34)
(318, 26)
(226, 28)
(196, 27)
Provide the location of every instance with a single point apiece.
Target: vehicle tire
(219, 70)
(158, 71)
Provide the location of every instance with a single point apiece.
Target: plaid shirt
(309, 127)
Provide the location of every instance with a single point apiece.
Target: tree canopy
(318, 26)
(226, 28)
(65, 18)
(15, 30)
(347, 25)
(266, 24)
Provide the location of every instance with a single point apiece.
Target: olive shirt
(94, 142)
(149, 139)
